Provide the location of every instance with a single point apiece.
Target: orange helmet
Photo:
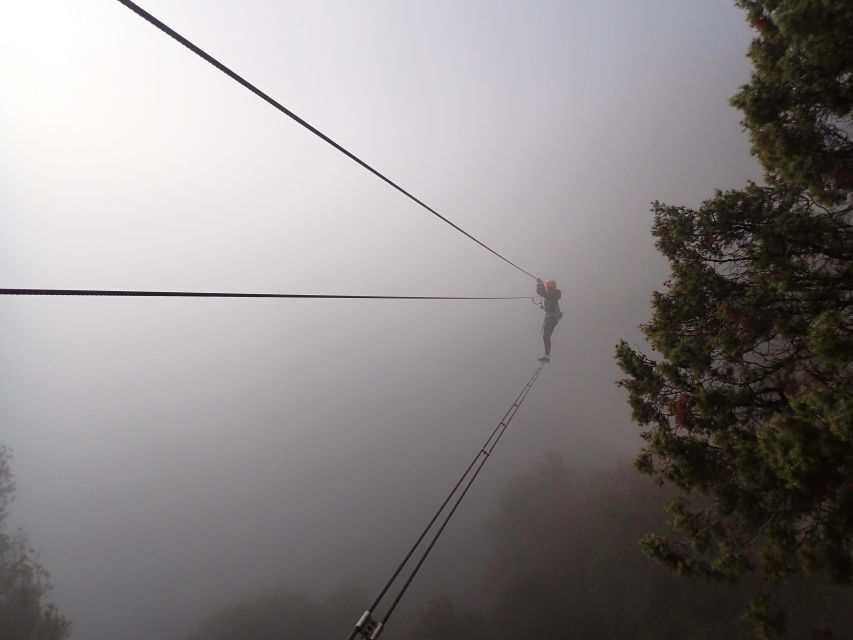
(550, 284)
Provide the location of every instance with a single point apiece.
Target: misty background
(175, 455)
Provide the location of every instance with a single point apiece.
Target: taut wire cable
(248, 85)
(366, 625)
(220, 294)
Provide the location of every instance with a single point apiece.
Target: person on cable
(550, 297)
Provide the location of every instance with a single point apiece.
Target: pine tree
(797, 105)
(24, 612)
(749, 407)
(752, 405)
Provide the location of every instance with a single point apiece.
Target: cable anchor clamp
(377, 631)
(367, 627)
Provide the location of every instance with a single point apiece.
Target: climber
(550, 296)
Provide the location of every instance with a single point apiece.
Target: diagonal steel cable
(481, 457)
(290, 114)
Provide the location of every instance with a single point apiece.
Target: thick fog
(173, 455)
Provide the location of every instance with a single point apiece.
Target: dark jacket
(549, 300)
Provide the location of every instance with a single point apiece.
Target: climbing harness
(367, 626)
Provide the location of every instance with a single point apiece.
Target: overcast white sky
(174, 454)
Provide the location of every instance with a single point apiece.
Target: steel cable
(219, 294)
(248, 85)
(481, 456)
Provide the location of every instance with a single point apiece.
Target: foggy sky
(172, 455)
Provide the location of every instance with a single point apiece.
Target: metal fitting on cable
(366, 625)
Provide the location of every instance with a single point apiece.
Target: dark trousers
(547, 329)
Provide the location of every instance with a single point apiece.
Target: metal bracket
(367, 627)
(377, 631)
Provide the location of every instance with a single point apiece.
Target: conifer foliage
(748, 406)
(752, 403)
(24, 613)
(797, 105)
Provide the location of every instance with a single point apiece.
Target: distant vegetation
(281, 613)
(748, 408)
(563, 562)
(24, 612)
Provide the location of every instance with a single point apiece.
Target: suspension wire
(204, 55)
(438, 512)
(482, 456)
(218, 294)
(486, 452)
